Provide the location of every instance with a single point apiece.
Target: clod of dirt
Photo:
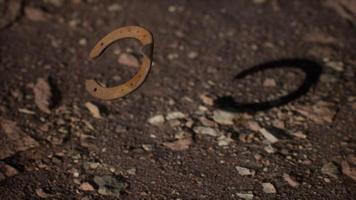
(13, 139)
(110, 185)
(43, 95)
(179, 145)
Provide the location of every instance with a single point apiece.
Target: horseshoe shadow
(312, 72)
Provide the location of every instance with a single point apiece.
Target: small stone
(147, 147)
(330, 169)
(271, 138)
(43, 95)
(192, 55)
(179, 145)
(42, 194)
(300, 134)
(224, 140)
(205, 131)
(269, 82)
(244, 171)
(83, 41)
(172, 56)
(110, 185)
(156, 120)
(348, 169)
(128, 60)
(290, 180)
(269, 188)
(114, 7)
(94, 110)
(245, 195)
(253, 126)
(26, 111)
(35, 14)
(175, 115)
(86, 187)
(207, 100)
(269, 149)
(7, 170)
(223, 117)
(131, 171)
(337, 66)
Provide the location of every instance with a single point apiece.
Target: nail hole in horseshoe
(102, 43)
(95, 89)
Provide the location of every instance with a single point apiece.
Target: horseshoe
(146, 39)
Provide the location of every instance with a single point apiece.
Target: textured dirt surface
(245, 100)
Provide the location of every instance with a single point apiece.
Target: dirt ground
(246, 99)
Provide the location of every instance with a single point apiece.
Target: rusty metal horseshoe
(146, 39)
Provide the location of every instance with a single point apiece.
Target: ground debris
(290, 180)
(13, 139)
(268, 188)
(223, 117)
(110, 185)
(156, 120)
(43, 95)
(93, 109)
(128, 60)
(179, 145)
(330, 169)
(321, 113)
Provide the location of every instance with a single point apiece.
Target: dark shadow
(56, 93)
(312, 72)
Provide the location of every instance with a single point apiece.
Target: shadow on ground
(312, 72)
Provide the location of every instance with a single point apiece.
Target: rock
(43, 95)
(114, 7)
(10, 11)
(300, 134)
(269, 149)
(245, 195)
(13, 139)
(321, 113)
(223, 117)
(175, 115)
(93, 109)
(207, 100)
(268, 188)
(7, 170)
(26, 111)
(192, 55)
(131, 171)
(337, 66)
(348, 170)
(179, 145)
(110, 185)
(35, 14)
(330, 169)
(290, 180)
(244, 171)
(86, 187)
(224, 140)
(156, 120)
(205, 131)
(253, 126)
(269, 82)
(147, 147)
(269, 137)
(42, 194)
(128, 60)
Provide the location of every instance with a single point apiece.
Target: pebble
(35, 14)
(244, 171)
(223, 117)
(205, 131)
(114, 7)
(330, 169)
(110, 185)
(245, 195)
(128, 60)
(94, 110)
(269, 82)
(268, 188)
(207, 100)
(156, 120)
(86, 187)
(290, 180)
(224, 140)
(192, 55)
(269, 137)
(175, 115)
